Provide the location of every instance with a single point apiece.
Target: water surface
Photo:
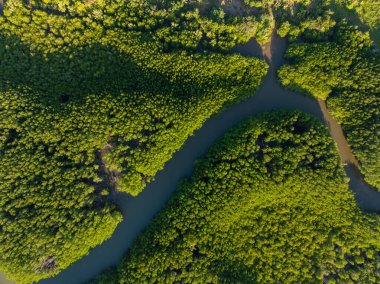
(139, 211)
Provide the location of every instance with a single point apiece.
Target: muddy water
(140, 210)
(4, 280)
(367, 197)
(337, 134)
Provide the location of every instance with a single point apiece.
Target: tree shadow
(367, 196)
(69, 76)
(64, 76)
(342, 12)
(234, 272)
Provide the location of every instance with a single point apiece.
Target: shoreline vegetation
(62, 107)
(143, 208)
(96, 97)
(344, 73)
(279, 175)
(144, 129)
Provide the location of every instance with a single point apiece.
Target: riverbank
(4, 280)
(139, 211)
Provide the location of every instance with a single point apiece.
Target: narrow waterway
(139, 211)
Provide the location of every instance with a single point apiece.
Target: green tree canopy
(346, 72)
(268, 203)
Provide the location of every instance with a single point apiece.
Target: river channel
(139, 211)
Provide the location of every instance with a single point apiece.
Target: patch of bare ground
(110, 179)
(47, 264)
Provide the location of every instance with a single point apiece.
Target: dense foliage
(268, 204)
(369, 11)
(346, 72)
(95, 96)
(312, 20)
(177, 24)
(86, 109)
(52, 211)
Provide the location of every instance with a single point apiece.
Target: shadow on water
(139, 211)
(366, 196)
(251, 48)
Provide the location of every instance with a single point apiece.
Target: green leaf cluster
(346, 72)
(88, 109)
(171, 24)
(269, 203)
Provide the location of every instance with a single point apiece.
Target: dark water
(140, 210)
